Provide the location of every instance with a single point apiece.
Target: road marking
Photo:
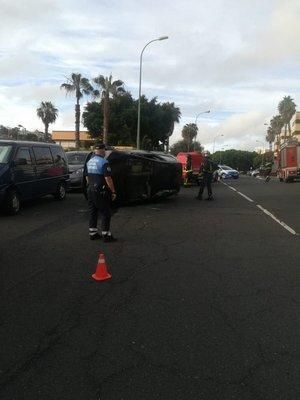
(230, 187)
(246, 197)
(283, 224)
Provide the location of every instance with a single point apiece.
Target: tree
(189, 133)
(171, 115)
(48, 114)
(287, 109)
(80, 85)
(237, 159)
(270, 136)
(182, 146)
(107, 88)
(276, 124)
(157, 121)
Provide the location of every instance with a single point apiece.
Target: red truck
(196, 160)
(289, 162)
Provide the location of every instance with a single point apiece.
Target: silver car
(76, 160)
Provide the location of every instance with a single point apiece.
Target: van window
(4, 153)
(58, 156)
(24, 153)
(42, 155)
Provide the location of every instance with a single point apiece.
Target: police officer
(206, 171)
(100, 193)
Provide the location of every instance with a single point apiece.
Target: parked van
(29, 170)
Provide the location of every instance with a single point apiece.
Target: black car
(140, 175)
(29, 170)
(76, 161)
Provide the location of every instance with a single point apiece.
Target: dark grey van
(29, 170)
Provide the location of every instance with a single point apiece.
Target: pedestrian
(100, 193)
(206, 172)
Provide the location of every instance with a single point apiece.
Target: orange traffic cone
(101, 273)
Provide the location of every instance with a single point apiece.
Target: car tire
(61, 191)
(12, 202)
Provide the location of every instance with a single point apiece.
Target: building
(295, 132)
(67, 139)
(295, 126)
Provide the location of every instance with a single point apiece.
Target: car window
(24, 154)
(5, 151)
(58, 156)
(75, 159)
(42, 155)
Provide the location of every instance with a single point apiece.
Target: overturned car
(140, 175)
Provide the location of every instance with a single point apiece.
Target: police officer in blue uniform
(101, 192)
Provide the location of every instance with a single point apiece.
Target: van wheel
(12, 202)
(60, 193)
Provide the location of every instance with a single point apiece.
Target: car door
(24, 173)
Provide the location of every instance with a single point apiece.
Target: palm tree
(276, 124)
(107, 88)
(189, 133)
(172, 115)
(287, 109)
(48, 114)
(270, 136)
(80, 85)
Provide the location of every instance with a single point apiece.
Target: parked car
(225, 172)
(29, 170)
(76, 161)
(140, 175)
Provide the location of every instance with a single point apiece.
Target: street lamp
(24, 130)
(263, 153)
(140, 88)
(222, 149)
(203, 112)
(215, 141)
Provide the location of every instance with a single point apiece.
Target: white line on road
(230, 187)
(283, 224)
(246, 197)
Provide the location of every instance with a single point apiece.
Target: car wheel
(12, 202)
(61, 192)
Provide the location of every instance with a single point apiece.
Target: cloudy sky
(236, 58)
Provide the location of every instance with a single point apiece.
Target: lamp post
(203, 112)
(215, 141)
(222, 149)
(263, 153)
(24, 130)
(140, 88)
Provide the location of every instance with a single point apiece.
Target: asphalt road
(203, 302)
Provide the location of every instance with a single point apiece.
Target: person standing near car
(100, 192)
(206, 171)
